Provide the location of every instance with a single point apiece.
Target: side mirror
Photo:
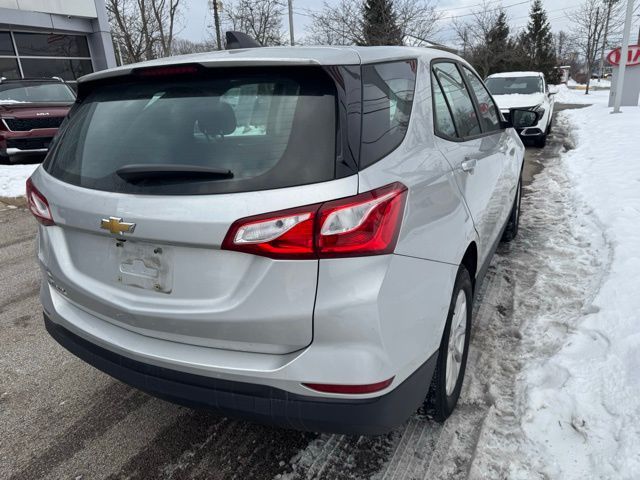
(521, 118)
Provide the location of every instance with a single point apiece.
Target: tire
(443, 392)
(541, 141)
(511, 230)
(5, 160)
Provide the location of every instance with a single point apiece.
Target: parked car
(31, 110)
(525, 90)
(312, 265)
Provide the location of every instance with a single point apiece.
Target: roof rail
(58, 78)
(237, 40)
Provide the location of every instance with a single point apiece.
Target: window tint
(489, 115)
(9, 68)
(51, 45)
(442, 115)
(387, 98)
(6, 45)
(269, 130)
(455, 91)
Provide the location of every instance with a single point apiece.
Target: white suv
(524, 90)
(292, 235)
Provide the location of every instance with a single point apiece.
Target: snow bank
(13, 178)
(566, 95)
(583, 403)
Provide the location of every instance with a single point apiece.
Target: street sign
(633, 56)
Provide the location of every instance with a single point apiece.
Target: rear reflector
(38, 205)
(365, 224)
(349, 389)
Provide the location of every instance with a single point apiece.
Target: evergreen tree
(380, 23)
(498, 45)
(537, 42)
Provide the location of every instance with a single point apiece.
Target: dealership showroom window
(29, 54)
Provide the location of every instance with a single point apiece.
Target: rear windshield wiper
(168, 171)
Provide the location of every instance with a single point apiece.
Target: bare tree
(182, 46)
(342, 23)
(143, 29)
(589, 21)
(260, 19)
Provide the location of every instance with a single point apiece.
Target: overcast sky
(198, 17)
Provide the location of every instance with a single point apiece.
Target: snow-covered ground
(13, 179)
(575, 409)
(567, 95)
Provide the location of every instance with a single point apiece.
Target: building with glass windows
(54, 38)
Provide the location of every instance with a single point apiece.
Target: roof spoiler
(237, 40)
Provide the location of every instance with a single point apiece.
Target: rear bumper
(260, 403)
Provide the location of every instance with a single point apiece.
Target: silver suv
(290, 235)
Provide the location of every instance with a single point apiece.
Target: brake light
(287, 234)
(349, 389)
(38, 205)
(365, 224)
(167, 71)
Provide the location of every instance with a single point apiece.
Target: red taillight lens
(287, 234)
(349, 389)
(366, 224)
(38, 205)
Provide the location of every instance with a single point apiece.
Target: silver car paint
(238, 317)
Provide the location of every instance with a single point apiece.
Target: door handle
(469, 165)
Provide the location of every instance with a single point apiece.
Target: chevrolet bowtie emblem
(115, 225)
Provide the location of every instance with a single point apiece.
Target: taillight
(38, 205)
(366, 224)
(287, 234)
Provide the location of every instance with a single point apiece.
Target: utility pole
(624, 54)
(606, 33)
(216, 23)
(291, 23)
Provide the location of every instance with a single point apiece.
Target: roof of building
(272, 56)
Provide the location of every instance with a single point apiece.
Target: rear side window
(459, 99)
(387, 98)
(443, 121)
(489, 115)
(270, 130)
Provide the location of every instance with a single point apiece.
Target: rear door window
(459, 99)
(489, 114)
(269, 130)
(387, 98)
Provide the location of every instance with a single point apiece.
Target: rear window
(268, 130)
(514, 85)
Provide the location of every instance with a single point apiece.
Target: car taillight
(365, 224)
(38, 205)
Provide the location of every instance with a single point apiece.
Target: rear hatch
(149, 174)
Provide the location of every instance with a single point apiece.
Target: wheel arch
(470, 262)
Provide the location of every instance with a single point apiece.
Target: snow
(567, 95)
(13, 179)
(574, 412)
(515, 74)
(519, 100)
(11, 102)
